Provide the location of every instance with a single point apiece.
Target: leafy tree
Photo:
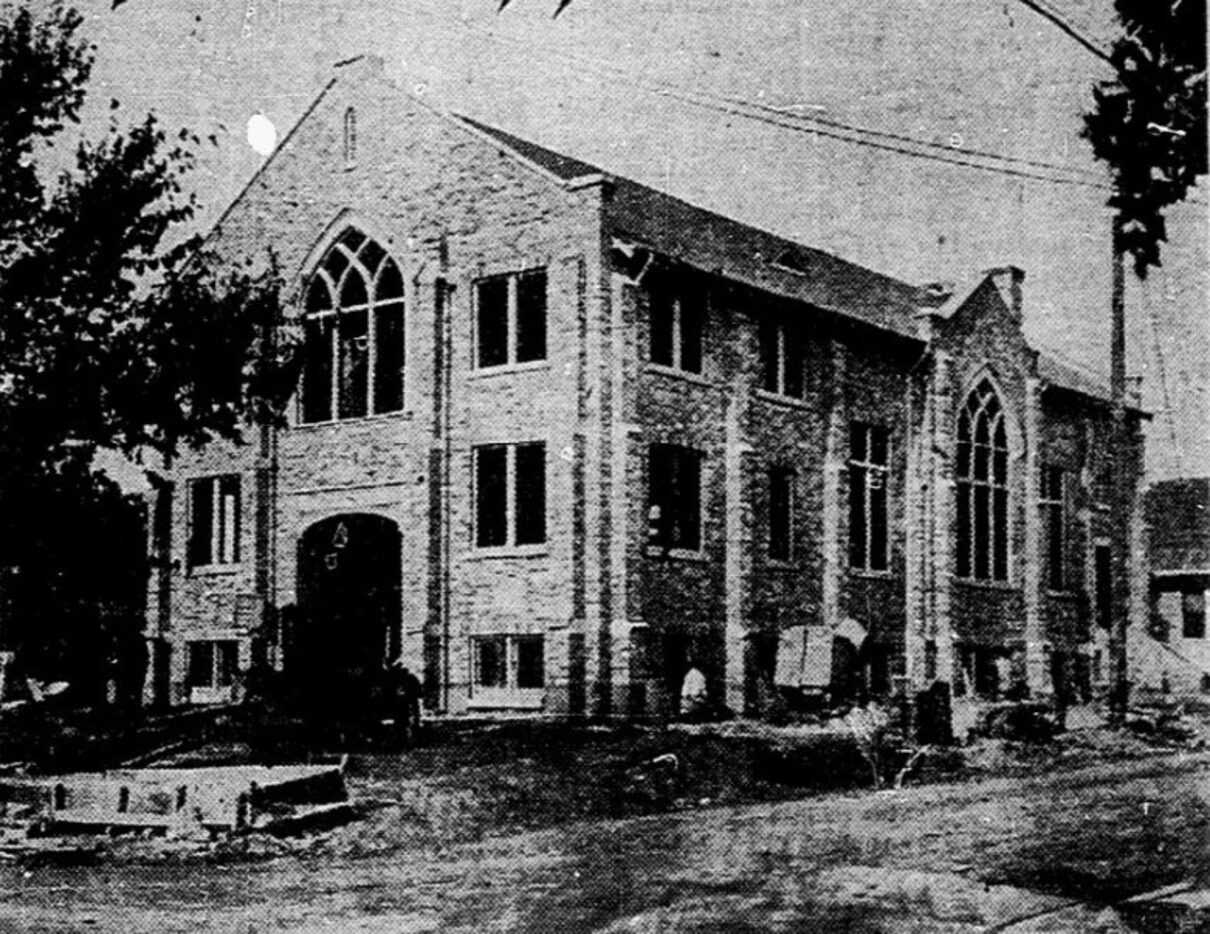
(110, 335)
(1149, 122)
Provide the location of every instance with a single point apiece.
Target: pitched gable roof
(1063, 375)
(729, 248)
(1066, 376)
(760, 259)
(559, 165)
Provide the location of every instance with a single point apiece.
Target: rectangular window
(1053, 504)
(212, 664)
(1193, 614)
(214, 521)
(675, 497)
(510, 495)
(531, 316)
(317, 370)
(491, 496)
(983, 671)
(1103, 584)
(530, 500)
(676, 315)
(200, 672)
(511, 318)
(781, 355)
(490, 658)
(869, 473)
(531, 673)
(388, 366)
(493, 321)
(781, 514)
(506, 669)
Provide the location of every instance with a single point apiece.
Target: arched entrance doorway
(348, 603)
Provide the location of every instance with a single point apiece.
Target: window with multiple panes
(1193, 614)
(984, 671)
(677, 313)
(869, 472)
(510, 318)
(214, 520)
(781, 359)
(781, 514)
(211, 664)
(982, 487)
(353, 353)
(510, 494)
(674, 497)
(1054, 519)
(504, 664)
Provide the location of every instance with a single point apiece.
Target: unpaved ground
(953, 858)
(465, 785)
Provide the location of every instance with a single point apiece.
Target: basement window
(212, 667)
(984, 671)
(1193, 614)
(507, 670)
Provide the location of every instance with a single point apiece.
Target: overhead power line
(815, 125)
(1044, 10)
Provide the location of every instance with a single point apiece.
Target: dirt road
(941, 858)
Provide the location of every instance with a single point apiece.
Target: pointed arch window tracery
(354, 339)
(982, 487)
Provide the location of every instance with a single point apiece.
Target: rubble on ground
(74, 817)
(1167, 724)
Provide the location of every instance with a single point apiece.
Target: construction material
(198, 802)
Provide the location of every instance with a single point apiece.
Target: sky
(656, 90)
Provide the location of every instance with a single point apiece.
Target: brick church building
(558, 436)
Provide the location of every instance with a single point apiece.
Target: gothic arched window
(982, 477)
(354, 333)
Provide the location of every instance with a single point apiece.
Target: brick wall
(449, 207)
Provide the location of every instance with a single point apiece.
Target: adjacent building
(558, 436)
(1173, 655)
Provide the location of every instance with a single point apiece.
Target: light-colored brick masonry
(451, 203)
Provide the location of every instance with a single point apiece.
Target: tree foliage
(1149, 120)
(111, 335)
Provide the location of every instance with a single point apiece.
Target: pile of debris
(1166, 724)
(69, 818)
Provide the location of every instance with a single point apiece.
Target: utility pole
(1122, 482)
